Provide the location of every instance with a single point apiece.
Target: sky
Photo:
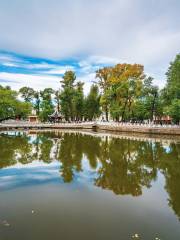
(41, 39)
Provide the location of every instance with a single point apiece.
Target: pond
(75, 185)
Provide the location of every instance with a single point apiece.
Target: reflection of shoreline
(108, 127)
(131, 136)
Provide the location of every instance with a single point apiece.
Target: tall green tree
(27, 93)
(149, 104)
(46, 104)
(78, 101)
(173, 78)
(37, 102)
(151, 98)
(103, 76)
(57, 99)
(67, 94)
(92, 104)
(171, 92)
(174, 110)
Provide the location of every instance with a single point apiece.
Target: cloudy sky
(41, 39)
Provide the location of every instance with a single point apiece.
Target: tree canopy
(122, 92)
(171, 92)
(11, 106)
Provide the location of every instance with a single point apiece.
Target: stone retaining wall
(109, 127)
(139, 129)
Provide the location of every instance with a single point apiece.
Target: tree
(46, 94)
(57, 99)
(67, 94)
(103, 75)
(37, 102)
(174, 110)
(171, 92)
(126, 81)
(149, 104)
(10, 106)
(27, 93)
(78, 101)
(46, 104)
(92, 104)
(140, 112)
(120, 85)
(173, 78)
(150, 94)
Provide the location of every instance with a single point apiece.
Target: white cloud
(41, 81)
(88, 79)
(59, 70)
(9, 64)
(91, 64)
(38, 82)
(10, 61)
(8, 58)
(101, 32)
(42, 65)
(56, 29)
(97, 60)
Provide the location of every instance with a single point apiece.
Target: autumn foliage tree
(120, 85)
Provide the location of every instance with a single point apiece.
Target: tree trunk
(106, 111)
(124, 109)
(129, 107)
(153, 107)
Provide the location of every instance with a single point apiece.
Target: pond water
(64, 185)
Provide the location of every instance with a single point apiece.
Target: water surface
(63, 185)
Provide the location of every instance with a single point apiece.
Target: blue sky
(18, 70)
(41, 39)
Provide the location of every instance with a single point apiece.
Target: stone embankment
(110, 126)
(27, 125)
(141, 128)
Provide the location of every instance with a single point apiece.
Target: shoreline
(166, 139)
(107, 127)
(141, 129)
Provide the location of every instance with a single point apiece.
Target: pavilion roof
(56, 114)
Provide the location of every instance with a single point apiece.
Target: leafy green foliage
(173, 78)
(46, 104)
(174, 110)
(37, 101)
(92, 104)
(67, 94)
(27, 93)
(171, 92)
(78, 102)
(120, 85)
(10, 106)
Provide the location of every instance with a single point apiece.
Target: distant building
(163, 120)
(56, 117)
(33, 118)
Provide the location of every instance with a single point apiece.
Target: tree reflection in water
(123, 166)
